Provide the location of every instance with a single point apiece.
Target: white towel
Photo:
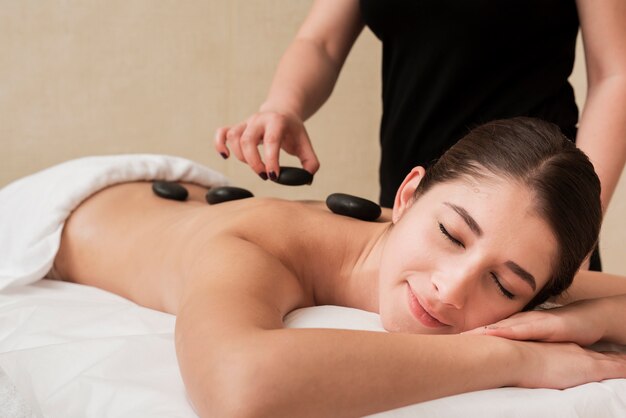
(33, 209)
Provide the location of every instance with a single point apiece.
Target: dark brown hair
(565, 187)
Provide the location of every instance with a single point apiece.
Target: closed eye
(501, 288)
(446, 234)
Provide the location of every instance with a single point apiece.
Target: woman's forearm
(321, 372)
(592, 285)
(312, 372)
(607, 296)
(615, 312)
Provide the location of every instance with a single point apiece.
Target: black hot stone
(226, 193)
(170, 190)
(355, 207)
(294, 176)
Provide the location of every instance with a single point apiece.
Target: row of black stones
(339, 203)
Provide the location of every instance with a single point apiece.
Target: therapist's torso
(449, 65)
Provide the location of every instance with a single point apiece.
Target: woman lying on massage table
(497, 226)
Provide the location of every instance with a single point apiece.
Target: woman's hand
(582, 322)
(274, 130)
(563, 365)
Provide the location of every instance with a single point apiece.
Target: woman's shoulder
(268, 218)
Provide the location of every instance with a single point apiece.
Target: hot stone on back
(226, 193)
(170, 190)
(353, 206)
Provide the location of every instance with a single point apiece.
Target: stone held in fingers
(170, 190)
(226, 193)
(353, 206)
(294, 176)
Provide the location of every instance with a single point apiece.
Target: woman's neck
(347, 270)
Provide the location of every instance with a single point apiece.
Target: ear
(406, 191)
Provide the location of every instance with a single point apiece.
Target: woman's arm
(592, 285)
(585, 322)
(237, 360)
(602, 128)
(304, 79)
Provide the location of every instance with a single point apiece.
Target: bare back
(127, 240)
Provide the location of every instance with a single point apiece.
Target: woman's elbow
(240, 386)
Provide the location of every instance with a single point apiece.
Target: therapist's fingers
(290, 135)
(250, 140)
(272, 141)
(306, 154)
(296, 142)
(220, 141)
(226, 136)
(233, 140)
(275, 131)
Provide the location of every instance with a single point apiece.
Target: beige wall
(82, 77)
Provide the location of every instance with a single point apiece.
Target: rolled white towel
(33, 209)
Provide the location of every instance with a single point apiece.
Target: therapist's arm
(308, 71)
(304, 79)
(602, 128)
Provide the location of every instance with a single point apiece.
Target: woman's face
(465, 254)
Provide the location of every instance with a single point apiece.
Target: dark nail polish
(273, 176)
(263, 175)
(223, 154)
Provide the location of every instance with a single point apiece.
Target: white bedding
(73, 351)
(78, 351)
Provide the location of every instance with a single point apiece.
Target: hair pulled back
(564, 185)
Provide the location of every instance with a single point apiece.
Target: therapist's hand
(582, 322)
(274, 130)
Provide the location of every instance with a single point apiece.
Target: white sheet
(12, 404)
(77, 351)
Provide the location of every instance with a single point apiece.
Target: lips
(420, 313)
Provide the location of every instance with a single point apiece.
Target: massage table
(68, 350)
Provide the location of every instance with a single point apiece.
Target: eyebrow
(523, 274)
(471, 223)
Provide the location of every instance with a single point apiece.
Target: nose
(454, 286)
